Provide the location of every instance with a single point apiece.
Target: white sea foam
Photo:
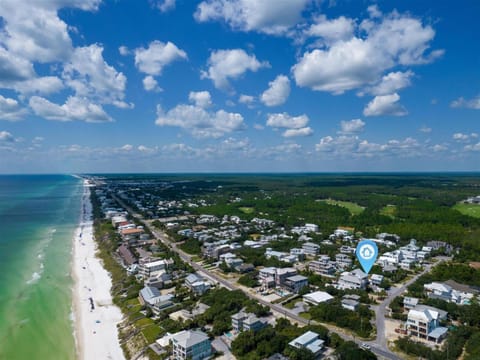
(35, 277)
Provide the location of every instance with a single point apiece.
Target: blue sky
(239, 85)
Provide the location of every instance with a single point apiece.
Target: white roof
(155, 263)
(165, 340)
(438, 287)
(188, 339)
(318, 297)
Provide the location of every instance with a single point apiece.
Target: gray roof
(441, 313)
(296, 278)
(189, 338)
(149, 292)
(240, 315)
(438, 332)
(308, 340)
(461, 287)
(192, 278)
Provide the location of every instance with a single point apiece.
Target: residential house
(437, 245)
(281, 275)
(355, 279)
(159, 280)
(299, 253)
(309, 341)
(317, 297)
(376, 279)
(190, 344)
(324, 268)
(127, 256)
(344, 249)
(310, 248)
(152, 298)
(343, 261)
(451, 291)
(245, 268)
(350, 302)
(197, 284)
(243, 321)
(149, 267)
(410, 302)
(295, 283)
(424, 322)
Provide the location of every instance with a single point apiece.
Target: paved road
(380, 310)
(378, 346)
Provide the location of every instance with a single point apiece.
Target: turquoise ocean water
(38, 218)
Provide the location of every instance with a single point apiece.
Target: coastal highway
(381, 351)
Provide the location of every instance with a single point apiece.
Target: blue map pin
(367, 253)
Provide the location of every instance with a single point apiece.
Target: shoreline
(95, 315)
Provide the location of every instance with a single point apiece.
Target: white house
(424, 322)
(193, 345)
(317, 297)
(355, 279)
(309, 341)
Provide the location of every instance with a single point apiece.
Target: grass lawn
(389, 210)
(291, 304)
(354, 209)
(305, 315)
(133, 301)
(468, 209)
(246, 210)
(144, 322)
(152, 333)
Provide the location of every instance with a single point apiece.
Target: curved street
(378, 346)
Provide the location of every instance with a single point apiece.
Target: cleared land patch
(354, 209)
(468, 209)
(246, 210)
(389, 210)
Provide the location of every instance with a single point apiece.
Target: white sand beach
(96, 317)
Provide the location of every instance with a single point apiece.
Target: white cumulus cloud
(74, 109)
(267, 16)
(200, 98)
(92, 77)
(6, 136)
(153, 59)
(305, 131)
(284, 120)
(150, 84)
(352, 126)
(460, 137)
(391, 83)
(385, 105)
(166, 5)
(200, 122)
(341, 28)
(278, 91)
(295, 125)
(464, 103)
(10, 109)
(230, 64)
(246, 99)
(380, 44)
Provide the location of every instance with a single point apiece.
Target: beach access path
(95, 315)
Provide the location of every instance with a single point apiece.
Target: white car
(365, 346)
